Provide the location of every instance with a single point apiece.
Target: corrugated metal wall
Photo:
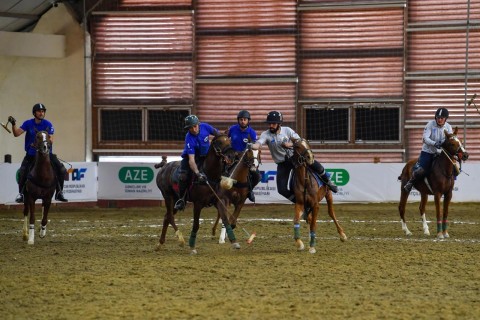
(439, 52)
(218, 57)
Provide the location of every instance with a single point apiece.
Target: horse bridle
(44, 147)
(300, 159)
(222, 152)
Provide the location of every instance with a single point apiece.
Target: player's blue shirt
(241, 138)
(31, 128)
(199, 144)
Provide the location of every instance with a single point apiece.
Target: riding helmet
(190, 121)
(441, 112)
(274, 117)
(38, 107)
(243, 114)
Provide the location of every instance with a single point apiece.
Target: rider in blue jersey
(433, 137)
(241, 134)
(31, 127)
(197, 142)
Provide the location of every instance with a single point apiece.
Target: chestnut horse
(309, 191)
(41, 183)
(236, 188)
(439, 182)
(219, 155)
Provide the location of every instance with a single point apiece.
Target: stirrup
(251, 196)
(60, 197)
(408, 187)
(180, 204)
(332, 186)
(19, 198)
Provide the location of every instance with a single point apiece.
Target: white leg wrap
(223, 235)
(405, 229)
(43, 231)
(31, 234)
(426, 231)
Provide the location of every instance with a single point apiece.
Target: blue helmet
(190, 121)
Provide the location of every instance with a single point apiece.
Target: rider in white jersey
(433, 137)
(280, 141)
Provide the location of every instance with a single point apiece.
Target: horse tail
(161, 164)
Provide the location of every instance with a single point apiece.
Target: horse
(309, 191)
(236, 188)
(220, 154)
(438, 182)
(41, 184)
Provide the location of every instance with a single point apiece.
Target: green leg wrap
(230, 234)
(193, 238)
(445, 225)
(439, 226)
(313, 239)
(296, 231)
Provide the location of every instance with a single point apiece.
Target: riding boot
(22, 179)
(417, 174)
(182, 186)
(317, 167)
(250, 195)
(59, 190)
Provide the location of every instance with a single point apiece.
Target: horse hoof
(408, 233)
(193, 252)
(440, 236)
(312, 250)
(446, 235)
(300, 245)
(181, 240)
(158, 247)
(343, 237)
(236, 245)
(25, 237)
(221, 241)
(31, 242)
(426, 232)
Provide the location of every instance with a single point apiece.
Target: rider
(433, 138)
(31, 127)
(280, 141)
(196, 147)
(241, 134)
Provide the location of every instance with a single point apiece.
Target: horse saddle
(314, 174)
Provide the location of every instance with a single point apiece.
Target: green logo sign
(339, 176)
(135, 174)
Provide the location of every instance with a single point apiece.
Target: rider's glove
(438, 145)
(201, 177)
(249, 146)
(12, 120)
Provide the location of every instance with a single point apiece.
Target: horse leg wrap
(230, 234)
(313, 240)
(296, 231)
(193, 238)
(439, 226)
(444, 225)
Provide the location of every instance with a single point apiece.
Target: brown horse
(41, 183)
(219, 155)
(236, 188)
(309, 191)
(439, 182)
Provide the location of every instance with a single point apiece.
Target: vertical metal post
(466, 75)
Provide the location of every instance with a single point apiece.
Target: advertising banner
(80, 182)
(127, 181)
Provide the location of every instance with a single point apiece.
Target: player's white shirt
(433, 134)
(275, 140)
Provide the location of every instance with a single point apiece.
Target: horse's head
(453, 146)
(222, 146)
(302, 152)
(42, 142)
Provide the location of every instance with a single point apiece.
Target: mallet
(5, 126)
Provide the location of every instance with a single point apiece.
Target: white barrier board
(357, 182)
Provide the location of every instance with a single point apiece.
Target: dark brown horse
(235, 188)
(41, 183)
(439, 182)
(309, 191)
(219, 154)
